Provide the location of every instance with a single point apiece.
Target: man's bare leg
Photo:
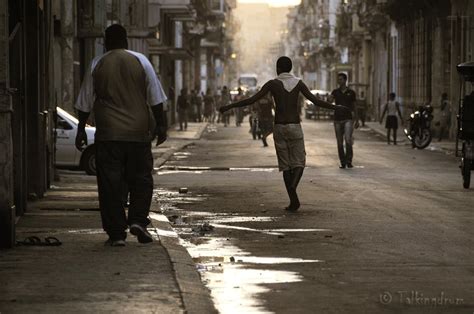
(287, 176)
(296, 175)
(292, 179)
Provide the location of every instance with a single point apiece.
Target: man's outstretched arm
(318, 102)
(248, 101)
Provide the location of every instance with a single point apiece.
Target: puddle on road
(254, 169)
(182, 154)
(235, 219)
(169, 200)
(166, 172)
(234, 278)
(269, 231)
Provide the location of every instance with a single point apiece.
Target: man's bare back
(286, 102)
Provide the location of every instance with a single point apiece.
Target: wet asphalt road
(394, 234)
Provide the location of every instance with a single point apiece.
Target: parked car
(311, 111)
(67, 154)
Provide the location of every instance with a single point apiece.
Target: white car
(67, 155)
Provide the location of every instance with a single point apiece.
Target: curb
(402, 140)
(436, 147)
(195, 296)
(167, 155)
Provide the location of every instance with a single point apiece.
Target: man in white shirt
(122, 89)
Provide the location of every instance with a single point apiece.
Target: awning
(341, 68)
(172, 53)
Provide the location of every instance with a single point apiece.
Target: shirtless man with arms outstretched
(288, 135)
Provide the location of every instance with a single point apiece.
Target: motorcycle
(419, 123)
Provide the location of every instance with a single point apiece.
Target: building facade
(47, 45)
(408, 47)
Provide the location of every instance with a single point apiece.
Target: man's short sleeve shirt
(347, 99)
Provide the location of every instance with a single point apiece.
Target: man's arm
(161, 127)
(318, 102)
(81, 136)
(84, 104)
(356, 113)
(399, 112)
(383, 113)
(246, 102)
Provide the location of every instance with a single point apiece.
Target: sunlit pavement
(393, 234)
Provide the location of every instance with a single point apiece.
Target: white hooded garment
(289, 81)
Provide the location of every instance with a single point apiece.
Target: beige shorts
(289, 146)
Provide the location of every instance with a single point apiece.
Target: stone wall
(7, 215)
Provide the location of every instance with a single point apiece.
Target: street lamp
(233, 55)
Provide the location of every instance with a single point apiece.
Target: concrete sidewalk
(84, 276)
(445, 145)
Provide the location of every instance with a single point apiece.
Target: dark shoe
(349, 165)
(141, 233)
(111, 242)
(342, 166)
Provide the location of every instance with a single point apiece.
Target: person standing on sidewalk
(445, 116)
(122, 89)
(288, 134)
(182, 108)
(345, 120)
(238, 112)
(392, 109)
(225, 100)
(197, 100)
(208, 100)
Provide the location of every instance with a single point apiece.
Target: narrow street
(394, 234)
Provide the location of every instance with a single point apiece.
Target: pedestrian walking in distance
(225, 100)
(123, 91)
(182, 109)
(197, 102)
(345, 120)
(209, 105)
(287, 133)
(445, 116)
(392, 109)
(265, 117)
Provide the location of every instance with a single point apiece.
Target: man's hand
(161, 135)
(81, 139)
(339, 107)
(224, 108)
(356, 124)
